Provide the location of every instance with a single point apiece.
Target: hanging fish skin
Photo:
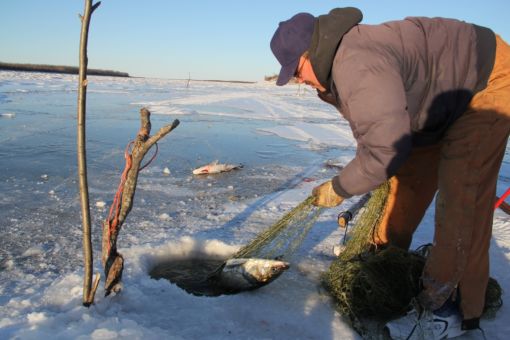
(215, 168)
(237, 275)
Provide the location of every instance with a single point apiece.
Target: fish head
(240, 274)
(264, 271)
(202, 170)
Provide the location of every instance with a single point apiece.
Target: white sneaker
(444, 323)
(412, 326)
(447, 322)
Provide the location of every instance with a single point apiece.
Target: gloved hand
(325, 196)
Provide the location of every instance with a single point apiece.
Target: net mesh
(372, 285)
(283, 238)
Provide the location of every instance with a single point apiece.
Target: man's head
(291, 39)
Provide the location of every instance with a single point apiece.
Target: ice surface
(281, 135)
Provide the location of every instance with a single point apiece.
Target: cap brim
(287, 72)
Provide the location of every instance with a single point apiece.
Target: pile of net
(283, 238)
(379, 284)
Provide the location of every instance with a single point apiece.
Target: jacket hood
(327, 34)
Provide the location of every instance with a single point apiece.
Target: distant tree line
(58, 69)
(272, 77)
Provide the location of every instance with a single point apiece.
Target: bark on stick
(88, 291)
(113, 261)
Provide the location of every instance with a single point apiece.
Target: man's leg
(411, 190)
(469, 165)
(468, 172)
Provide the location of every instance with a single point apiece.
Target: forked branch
(113, 261)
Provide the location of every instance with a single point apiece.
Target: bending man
(428, 101)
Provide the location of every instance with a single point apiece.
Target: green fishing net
(283, 238)
(367, 282)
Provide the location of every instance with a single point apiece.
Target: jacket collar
(327, 34)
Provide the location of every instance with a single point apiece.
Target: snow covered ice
(282, 135)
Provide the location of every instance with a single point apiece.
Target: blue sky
(221, 39)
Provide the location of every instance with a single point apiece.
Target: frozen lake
(38, 149)
(282, 136)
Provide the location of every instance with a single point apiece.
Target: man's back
(437, 61)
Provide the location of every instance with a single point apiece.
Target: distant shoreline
(58, 69)
(221, 81)
(92, 72)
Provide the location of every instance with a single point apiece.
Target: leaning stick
(113, 261)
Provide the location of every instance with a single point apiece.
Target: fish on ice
(332, 164)
(215, 168)
(236, 275)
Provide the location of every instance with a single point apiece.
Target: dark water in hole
(191, 274)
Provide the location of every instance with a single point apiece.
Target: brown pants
(463, 169)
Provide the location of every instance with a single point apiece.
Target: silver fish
(237, 275)
(215, 168)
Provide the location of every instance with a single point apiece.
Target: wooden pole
(88, 292)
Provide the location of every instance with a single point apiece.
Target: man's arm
(376, 101)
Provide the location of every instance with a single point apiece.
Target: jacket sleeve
(374, 96)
